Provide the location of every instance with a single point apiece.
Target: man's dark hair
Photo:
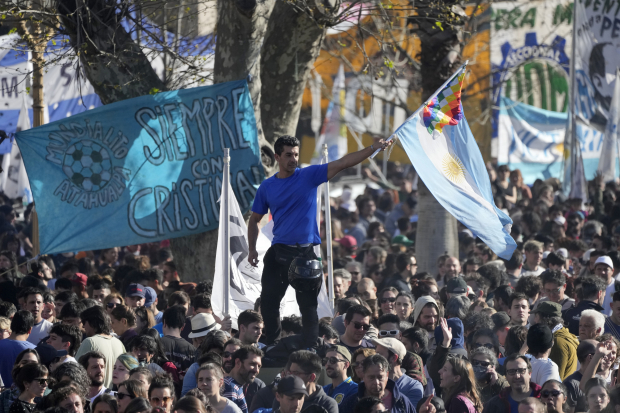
(64, 284)
(515, 357)
(233, 341)
(66, 296)
(577, 245)
(515, 339)
(245, 351)
(477, 321)
(489, 333)
(178, 298)
(533, 221)
(555, 259)
(248, 317)
(7, 309)
(285, 140)
(291, 324)
(31, 291)
(142, 370)
(172, 265)
(98, 319)
(503, 293)
(69, 266)
(308, 361)
(162, 382)
(590, 287)
(143, 341)
(85, 358)
(515, 261)
(417, 335)
(491, 273)
(388, 318)
(553, 276)
(89, 302)
(101, 286)
(154, 274)
(201, 301)
(327, 331)
(518, 297)
(174, 317)
(529, 285)
(402, 260)
(205, 287)
(344, 304)
(22, 322)
(357, 309)
(72, 309)
(72, 334)
(376, 360)
(615, 258)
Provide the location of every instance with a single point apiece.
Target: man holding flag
(291, 196)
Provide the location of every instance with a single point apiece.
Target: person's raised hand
(427, 406)
(493, 375)
(226, 324)
(447, 332)
(603, 348)
(384, 144)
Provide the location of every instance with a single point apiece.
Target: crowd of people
(120, 331)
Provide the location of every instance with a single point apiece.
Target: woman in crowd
(190, 404)
(375, 272)
(123, 323)
(428, 287)
(374, 229)
(49, 308)
(490, 383)
(142, 405)
(404, 305)
(210, 378)
(108, 259)
(523, 191)
(554, 394)
(458, 384)
(69, 398)
(597, 395)
(105, 404)
(387, 301)
(124, 364)
(144, 319)
(358, 358)
(112, 300)
(129, 390)
(32, 383)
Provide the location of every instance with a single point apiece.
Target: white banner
(14, 182)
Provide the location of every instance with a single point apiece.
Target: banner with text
(141, 170)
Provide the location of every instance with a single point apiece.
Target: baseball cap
(135, 290)
(150, 295)
(203, 324)
(291, 385)
(604, 260)
(343, 351)
(500, 319)
(402, 240)
(391, 344)
(80, 278)
(548, 308)
(347, 241)
(456, 285)
(563, 252)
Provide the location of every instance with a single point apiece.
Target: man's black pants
(274, 284)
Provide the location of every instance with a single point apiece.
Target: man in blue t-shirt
(290, 196)
(337, 361)
(21, 326)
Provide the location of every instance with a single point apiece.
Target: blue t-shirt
(410, 388)
(344, 389)
(10, 349)
(292, 202)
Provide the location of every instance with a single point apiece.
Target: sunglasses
(164, 399)
(227, 354)
(388, 333)
(388, 300)
(547, 393)
(112, 305)
(332, 360)
(121, 396)
(484, 364)
(362, 326)
(42, 382)
(485, 345)
(354, 272)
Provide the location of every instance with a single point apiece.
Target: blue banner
(141, 170)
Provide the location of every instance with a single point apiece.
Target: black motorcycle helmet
(305, 274)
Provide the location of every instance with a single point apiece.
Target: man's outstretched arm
(354, 158)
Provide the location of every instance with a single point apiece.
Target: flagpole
(226, 205)
(328, 236)
(433, 96)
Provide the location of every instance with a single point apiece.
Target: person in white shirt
(33, 298)
(539, 343)
(604, 268)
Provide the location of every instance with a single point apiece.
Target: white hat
(563, 252)
(604, 260)
(202, 324)
(392, 344)
(560, 220)
(586, 255)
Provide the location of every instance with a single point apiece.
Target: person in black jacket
(407, 266)
(591, 296)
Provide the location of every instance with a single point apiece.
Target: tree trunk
(241, 27)
(437, 232)
(292, 44)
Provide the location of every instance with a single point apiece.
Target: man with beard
(357, 324)
(453, 270)
(230, 347)
(336, 362)
(518, 374)
(247, 362)
(426, 315)
(94, 363)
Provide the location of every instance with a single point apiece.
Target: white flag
(245, 280)
(16, 183)
(609, 152)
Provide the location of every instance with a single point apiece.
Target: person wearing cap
(533, 251)
(540, 343)
(518, 374)
(401, 243)
(407, 266)
(377, 383)
(290, 394)
(394, 352)
(592, 296)
(426, 315)
(202, 324)
(348, 244)
(150, 302)
(337, 361)
(558, 226)
(135, 295)
(564, 351)
(78, 282)
(589, 261)
(604, 269)
(456, 287)
(576, 397)
(501, 325)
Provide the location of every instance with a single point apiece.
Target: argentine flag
(444, 152)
